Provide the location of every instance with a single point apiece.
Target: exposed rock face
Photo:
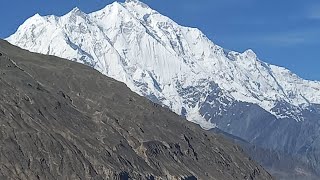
(64, 120)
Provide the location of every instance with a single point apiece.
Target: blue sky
(281, 32)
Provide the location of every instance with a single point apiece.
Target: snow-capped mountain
(159, 59)
(179, 67)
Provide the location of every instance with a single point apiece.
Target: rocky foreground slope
(64, 120)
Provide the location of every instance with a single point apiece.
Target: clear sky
(281, 32)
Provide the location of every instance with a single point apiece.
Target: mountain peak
(37, 16)
(76, 10)
(136, 3)
(250, 54)
(115, 6)
(133, 1)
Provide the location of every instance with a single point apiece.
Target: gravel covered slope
(64, 120)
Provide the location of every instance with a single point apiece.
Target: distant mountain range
(180, 68)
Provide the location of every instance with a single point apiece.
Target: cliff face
(64, 120)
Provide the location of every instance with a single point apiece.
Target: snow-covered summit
(170, 64)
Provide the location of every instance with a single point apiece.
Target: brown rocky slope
(63, 120)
